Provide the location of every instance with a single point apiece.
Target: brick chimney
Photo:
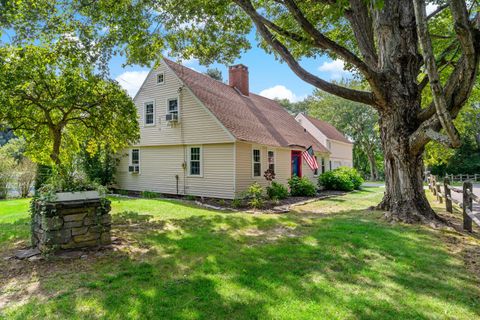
(238, 78)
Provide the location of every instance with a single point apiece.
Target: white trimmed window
(257, 164)
(195, 161)
(172, 106)
(149, 113)
(134, 166)
(315, 172)
(271, 160)
(323, 165)
(160, 78)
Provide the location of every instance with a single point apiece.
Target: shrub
(236, 203)
(343, 179)
(255, 194)
(100, 166)
(277, 191)
(301, 187)
(149, 194)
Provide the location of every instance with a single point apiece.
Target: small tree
(55, 100)
(6, 173)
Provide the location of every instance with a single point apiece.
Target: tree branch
(437, 11)
(362, 26)
(324, 41)
(350, 94)
(432, 72)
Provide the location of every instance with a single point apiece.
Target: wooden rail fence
(463, 177)
(469, 215)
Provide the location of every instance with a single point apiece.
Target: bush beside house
(301, 187)
(342, 179)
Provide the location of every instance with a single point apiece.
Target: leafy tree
(23, 170)
(54, 99)
(466, 159)
(296, 107)
(356, 120)
(420, 69)
(99, 167)
(214, 73)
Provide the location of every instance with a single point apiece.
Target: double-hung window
(134, 166)
(271, 160)
(195, 161)
(149, 113)
(323, 165)
(257, 165)
(315, 172)
(172, 107)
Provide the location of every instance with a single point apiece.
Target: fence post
(467, 205)
(448, 194)
(439, 191)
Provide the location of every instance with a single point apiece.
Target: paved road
(459, 196)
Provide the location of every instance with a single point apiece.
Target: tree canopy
(52, 97)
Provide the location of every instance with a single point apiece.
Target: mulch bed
(269, 205)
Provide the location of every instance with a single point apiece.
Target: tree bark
(57, 141)
(404, 198)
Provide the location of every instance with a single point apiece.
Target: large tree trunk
(404, 198)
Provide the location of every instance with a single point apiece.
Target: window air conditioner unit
(172, 117)
(134, 169)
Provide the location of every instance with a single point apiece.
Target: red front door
(296, 163)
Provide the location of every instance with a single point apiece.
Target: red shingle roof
(250, 118)
(328, 130)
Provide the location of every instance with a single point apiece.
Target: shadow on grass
(293, 266)
(18, 230)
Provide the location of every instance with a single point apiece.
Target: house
(201, 137)
(340, 148)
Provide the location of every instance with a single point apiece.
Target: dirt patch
(269, 235)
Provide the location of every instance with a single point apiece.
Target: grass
(178, 261)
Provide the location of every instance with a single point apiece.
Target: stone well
(70, 224)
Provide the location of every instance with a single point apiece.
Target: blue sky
(268, 77)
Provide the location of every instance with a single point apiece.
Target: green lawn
(328, 260)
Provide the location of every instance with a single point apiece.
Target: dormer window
(160, 78)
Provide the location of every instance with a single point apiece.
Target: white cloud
(280, 92)
(335, 68)
(132, 80)
(431, 7)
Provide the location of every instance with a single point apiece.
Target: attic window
(160, 78)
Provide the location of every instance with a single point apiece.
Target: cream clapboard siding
(159, 166)
(283, 166)
(196, 126)
(340, 153)
(162, 146)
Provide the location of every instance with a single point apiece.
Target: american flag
(309, 156)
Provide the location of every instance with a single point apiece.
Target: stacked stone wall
(71, 224)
